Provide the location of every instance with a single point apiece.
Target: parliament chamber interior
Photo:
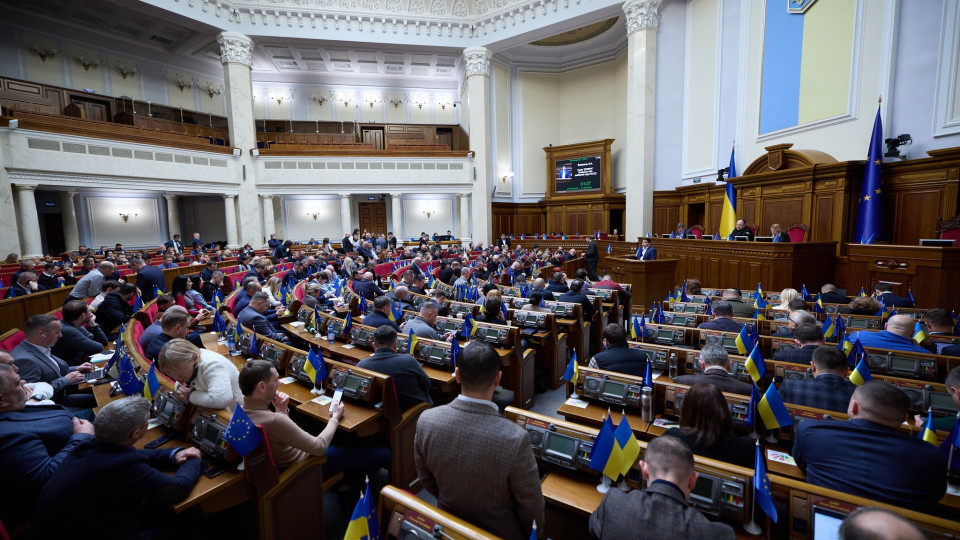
(314, 269)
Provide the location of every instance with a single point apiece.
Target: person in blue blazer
(646, 251)
(148, 277)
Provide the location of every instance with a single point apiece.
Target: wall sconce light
(43, 52)
(444, 102)
(313, 215)
(396, 99)
(506, 177)
(182, 84)
(87, 63)
(372, 100)
(346, 100)
(212, 90)
(320, 97)
(429, 213)
(280, 97)
(419, 102)
(127, 213)
(125, 72)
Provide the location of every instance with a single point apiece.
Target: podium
(651, 280)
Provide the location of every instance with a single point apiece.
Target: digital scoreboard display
(578, 174)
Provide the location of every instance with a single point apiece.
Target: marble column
(268, 221)
(71, 232)
(173, 218)
(397, 212)
(477, 62)
(9, 229)
(346, 221)
(236, 54)
(464, 232)
(230, 216)
(642, 18)
(30, 245)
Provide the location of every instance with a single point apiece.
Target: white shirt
(475, 400)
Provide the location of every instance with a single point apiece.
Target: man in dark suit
(829, 295)
(419, 285)
(911, 468)
(503, 243)
(273, 243)
(809, 337)
(592, 257)
(148, 277)
(540, 285)
(81, 335)
(742, 231)
(116, 309)
(33, 442)
(617, 355)
(257, 271)
(478, 464)
(829, 389)
(196, 243)
(663, 506)
(174, 243)
(367, 287)
(208, 271)
(36, 363)
(26, 284)
(796, 319)
(252, 317)
(413, 385)
(135, 476)
(646, 251)
(715, 369)
(884, 293)
(174, 324)
(50, 279)
(722, 318)
(379, 316)
(576, 296)
(558, 284)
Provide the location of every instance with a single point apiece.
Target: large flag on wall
(728, 217)
(870, 211)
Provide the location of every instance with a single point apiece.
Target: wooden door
(373, 136)
(373, 217)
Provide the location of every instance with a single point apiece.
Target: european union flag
(656, 315)
(127, 378)
(138, 305)
(752, 413)
(870, 214)
(242, 434)
(805, 294)
(373, 521)
(153, 384)
(772, 410)
(709, 303)
(953, 441)
(755, 365)
(648, 376)
(857, 353)
(347, 324)
(219, 325)
(315, 368)
(629, 447)
(116, 353)
(454, 351)
(761, 485)
(573, 370)
(841, 329)
(254, 348)
(503, 310)
(929, 433)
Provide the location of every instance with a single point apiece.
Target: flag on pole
(629, 447)
(744, 341)
(829, 329)
(918, 334)
(242, 434)
(929, 433)
(728, 216)
(805, 294)
(573, 370)
(455, 350)
(152, 387)
(772, 411)
(861, 373)
(870, 212)
(606, 455)
(761, 485)
(755, 365)
(127, 378)
(315, 368)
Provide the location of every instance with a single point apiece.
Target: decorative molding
(235, 48)
(476, 61)
(126, 183)
(946, 121)
(642, 14)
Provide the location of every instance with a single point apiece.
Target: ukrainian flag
(918, 333)
(862, 292)
(758, 315)
(359, 527)
(861, 373)
(629, 447)
(818, 305)
(315, 368)
(469, 327)
(411, 343)
(152, 387)
(745, 342)
(728, 216)
(602, 452)
(929, 432)
(829, 329)
(573, 371)
(755, 365)
(845, 345)
(772, 410)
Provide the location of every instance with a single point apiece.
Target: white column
(230, 216)
(71, 233)
(464, 232)
(268, 221)
(236, 54)
(346, 223)
(29, 221)
(173, 218)
(397, 210)
(642, 17)
(477, 61)
(9, 230)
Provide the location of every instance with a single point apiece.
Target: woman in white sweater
(203, 377)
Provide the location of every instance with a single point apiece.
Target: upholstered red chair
(696, 230)
(11, 339)
(753, 228)
(797, 232)
(949, 229)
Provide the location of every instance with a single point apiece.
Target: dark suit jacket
(152, 352)
(547, 295)
(783, 237)
(253, 273)
(33, 443)
(120, 477)
(503, 243)
(860, 452)
(446, 275)
(113, 311)
(735, 449)
(480, 467)
(588, 309)
(660, 510)
(17, 290)
(147, 277)
(77, 343)
(827, 391)
(178, 246)
(722, 324)
(649, 255)
(834, 298)
(622, 359)
(719, 378)
(952, 350)
(251, 319)
(889, 299)
(803, 355)
(368, 289)
(34, 366)
(46, 283)
(377, 319)
(557, 288)
(592, 254)
(412, 383)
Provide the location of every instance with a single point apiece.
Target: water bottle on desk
(331, 335)
(646, 404)
(232, 344)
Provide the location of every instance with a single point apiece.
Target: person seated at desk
(722, 318)
(617, 355)
(439, 296)
(778, 234)
(80, 334)
(50, 279)
(121, 478)
(681, 231)
(36, 363)
(742, 231)
(939, 323)
(464, 279)
(115, 309)
(478, 464)
(715, 369)
(257, 271)
(313, 296)
(884, 293)
(897, 336)
(662, 509)
(252, 317)
(174, 324)
(492, 309)
(830, 389)
(26, 283)
(401, 295)
(380, 315)
(34, 441)
(576, 296)
(796, 319)
(867, 456)
(786, 296)
(875, 523)
(707, 427)
(539, 285)
(861, 305)
(740, 308)
(412, 383)
(423, 325)
(558, 284)
(809, 337)
(419, 285)
(535, 303)
(209, 268)
(204, 377)
(829, 295)
(367, 287)
(646, 252)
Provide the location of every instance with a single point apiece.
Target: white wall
(301, 227)
(105, 227)
(416, 221)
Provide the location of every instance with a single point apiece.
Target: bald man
(877, 524)
(898, 336)
(367, 287)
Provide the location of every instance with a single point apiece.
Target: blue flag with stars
(242, 434)
(454, 351)
(870, 211)
(761, 487)
(127, 378)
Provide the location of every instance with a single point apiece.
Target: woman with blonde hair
(786, 296)
(203, 377)
(778, 233)
(273, 291)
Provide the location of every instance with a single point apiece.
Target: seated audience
(380, 314)
(163, 303)
(535, 302)
(694, 286)
(722, 318)
(829, 389)
(850, 456)
(413, 385)
(884, 292)
(662, 509)
(110, 471)
(367, 287)
(742, 231)
(539, 285)
(829, 295)
(50, 279)
(35, 362)
(174, 324)
(204, 378)
(897, 336)
(558, 284)
(81, 336)
(707, 427)
(740, 307)
(862, 305)
(715, 369)
(617, 355)
(272, 288)
(809, 337)
(26, 283)
(492, 310)
(939, 323)
(116, 309)
(106, 288)
(423, 325)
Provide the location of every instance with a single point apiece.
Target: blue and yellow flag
(758, 315)
(772, 410)
(138, 304)
(629, 447)
(918, 333)
(637, 329)
(929, 433)
(806, 295)
(373, 520)
(841, 329)
(606, 456)
(411, 343)
(396, 312)
(347, 324)
(755, 365)
(745, 342)
(242, 434)
(828, 327)
(315, 368)
(752, 413)
(862, 292)
(609, 249)
(709, 304)
(845, 344)
(818, 305)
(728, 215)
(469, 327)
(573, 371)
(761, 485)
(870, 225)
(152, 387)
(857, 353)
(219, 325)
(910, 297)
(656, 314)
(861, 373)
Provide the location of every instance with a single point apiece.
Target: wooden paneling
(373, 217)
(930, 272)
(786, 212)
(913, 219)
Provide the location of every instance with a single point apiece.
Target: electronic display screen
(578, 174)
(704, 488)
(614, 388)
(298, 362)
(269, 353)
(729, 341)
(560, 309)
(212, 434)
(665, 334)
(826, 524)
(689, 308)
(942, 401)
(903, 363)
(856, 323)
(168, 408)
(362, 335)
(436, 353)
(351, 383)
(681, 321)
(562, 445)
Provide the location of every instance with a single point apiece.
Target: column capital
(642, 14)
(395, 195)
(267, 197)
(68, 193)
(227, 196)
(169, 197)
(24, 187)
(344, 196)
(477, 61)
(235, 48)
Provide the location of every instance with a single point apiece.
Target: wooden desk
(649, 280)
(572, 491)
(593, 416)
(930, 272)
(359, 419)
